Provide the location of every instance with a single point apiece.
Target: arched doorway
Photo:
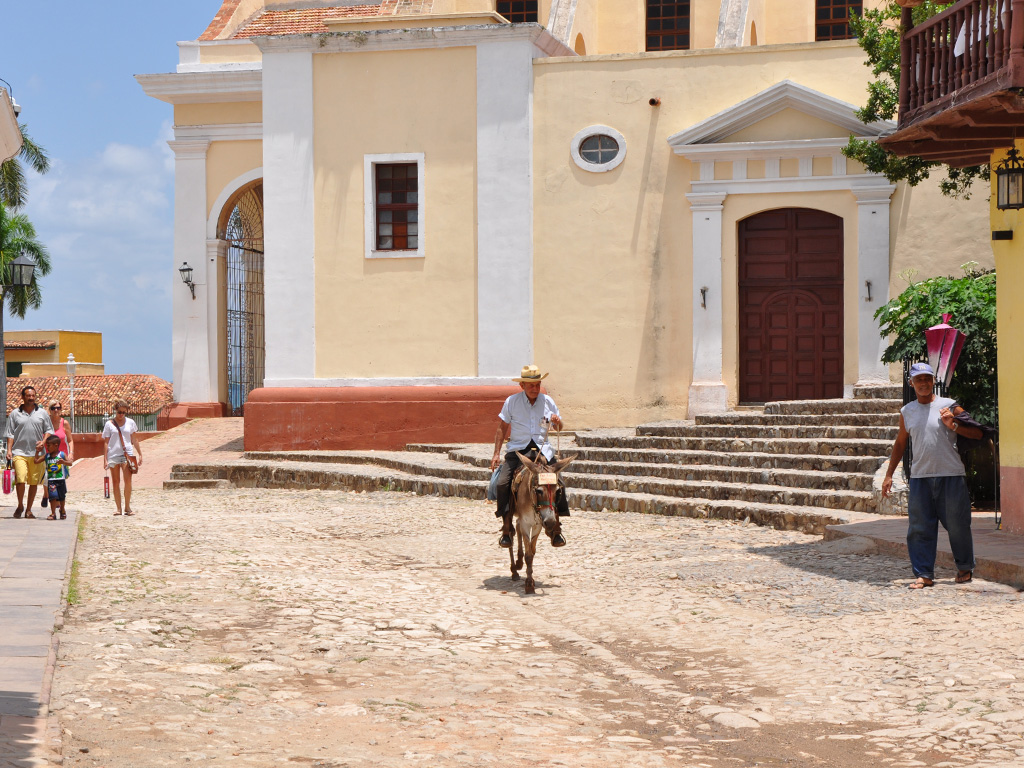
(241, 225)
(790, 306)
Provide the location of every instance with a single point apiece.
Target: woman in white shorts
(121, 431)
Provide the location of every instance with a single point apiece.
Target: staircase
(796, 465)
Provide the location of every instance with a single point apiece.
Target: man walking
(938, 484)
(27, 426)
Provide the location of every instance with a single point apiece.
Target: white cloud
(107, 221)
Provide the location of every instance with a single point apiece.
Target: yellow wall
(235, 51)
(226, 161)
(86, 346)
(411, 317)
(1009, 255)
(612, 251)
(32, 370)
(218, 114)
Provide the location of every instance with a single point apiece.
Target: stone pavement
(329, 628)
(1000, 555)
(35, 557)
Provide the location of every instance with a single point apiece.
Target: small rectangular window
(518, 11)
(394, 219)
(832, 18)
(668, 25)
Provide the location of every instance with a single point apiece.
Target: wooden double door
(790, 306)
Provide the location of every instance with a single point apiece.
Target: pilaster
(708, 393)
(872, 278)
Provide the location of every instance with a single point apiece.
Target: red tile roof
(30, 345)
(227, 10)
(301, 21)
(95, 395)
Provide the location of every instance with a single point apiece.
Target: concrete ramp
(196, 440)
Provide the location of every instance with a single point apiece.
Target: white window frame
(370, 205)
(593, 130)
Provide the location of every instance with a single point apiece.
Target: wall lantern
(1010, 181)
(186, 277)
(944, 345)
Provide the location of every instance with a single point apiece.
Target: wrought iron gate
(246, 342)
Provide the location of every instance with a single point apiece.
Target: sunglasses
(54, 407)
(122, 413)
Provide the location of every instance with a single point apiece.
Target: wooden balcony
(961, 75)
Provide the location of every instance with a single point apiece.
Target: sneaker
(558, 540)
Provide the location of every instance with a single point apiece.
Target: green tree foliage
(13, 184)
(878, 33)
(17, 237)
(971, 300)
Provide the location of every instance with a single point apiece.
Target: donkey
(533, 504)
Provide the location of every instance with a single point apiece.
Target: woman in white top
(120, 434)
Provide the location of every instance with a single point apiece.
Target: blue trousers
(935, 500)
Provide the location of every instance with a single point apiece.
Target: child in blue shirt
(56, 489)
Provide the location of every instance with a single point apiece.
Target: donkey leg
(519, 536)
(513, 565)
(531, 548)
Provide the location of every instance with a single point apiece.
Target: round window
(598, 148)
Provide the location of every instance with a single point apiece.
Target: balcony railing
(972, 48)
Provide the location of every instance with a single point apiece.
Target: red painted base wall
(176, 414)
(364, 418)
(1011, 498)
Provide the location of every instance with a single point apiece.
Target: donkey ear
(561, 464)
(530, 464)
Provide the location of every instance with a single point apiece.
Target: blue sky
(105, 210)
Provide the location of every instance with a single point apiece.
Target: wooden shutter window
(832, 18)
(518, 11)
(668, 25)
(396, 206)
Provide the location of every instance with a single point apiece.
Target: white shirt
(529, 422)
(114, 440)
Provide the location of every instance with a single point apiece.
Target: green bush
(971, 300)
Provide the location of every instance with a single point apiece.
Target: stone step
(783, 430)
(827, 419)
(856, 464)
(814, 407)
(791, 446)
(857, 501)
(786, 478)
(878, 392)
(293, 474)
(432, 447)
(195, 483)
(433, 463)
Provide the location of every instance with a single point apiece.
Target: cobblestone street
(258, 627)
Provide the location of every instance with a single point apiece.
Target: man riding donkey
(524, 420)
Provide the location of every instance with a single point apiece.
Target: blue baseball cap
(921, 369)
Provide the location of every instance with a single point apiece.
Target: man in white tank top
(938, 484)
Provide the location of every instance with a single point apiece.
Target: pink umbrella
(944, 345)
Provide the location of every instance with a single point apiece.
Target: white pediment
(781, 97)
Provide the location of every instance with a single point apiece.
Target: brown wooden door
(790, 306)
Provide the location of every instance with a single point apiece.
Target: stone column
(872, 267)
(708, 393)
(193, 379)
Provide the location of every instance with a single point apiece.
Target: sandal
(922, 582)
(19, 512)
(52, 516)
(964, 577)
(129, 513)
(63, 515)
(117, 513)
(29, 515)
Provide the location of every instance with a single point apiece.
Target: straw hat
(530, 374)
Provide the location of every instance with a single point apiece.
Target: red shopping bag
(7, 478)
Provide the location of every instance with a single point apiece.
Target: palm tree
(13, 185)
(17, 238)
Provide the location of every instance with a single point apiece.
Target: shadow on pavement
(854, 558)
(21, 729)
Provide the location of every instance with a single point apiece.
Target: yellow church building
(384, 210)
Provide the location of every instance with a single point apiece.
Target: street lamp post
(71, 377)
(19, 275)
